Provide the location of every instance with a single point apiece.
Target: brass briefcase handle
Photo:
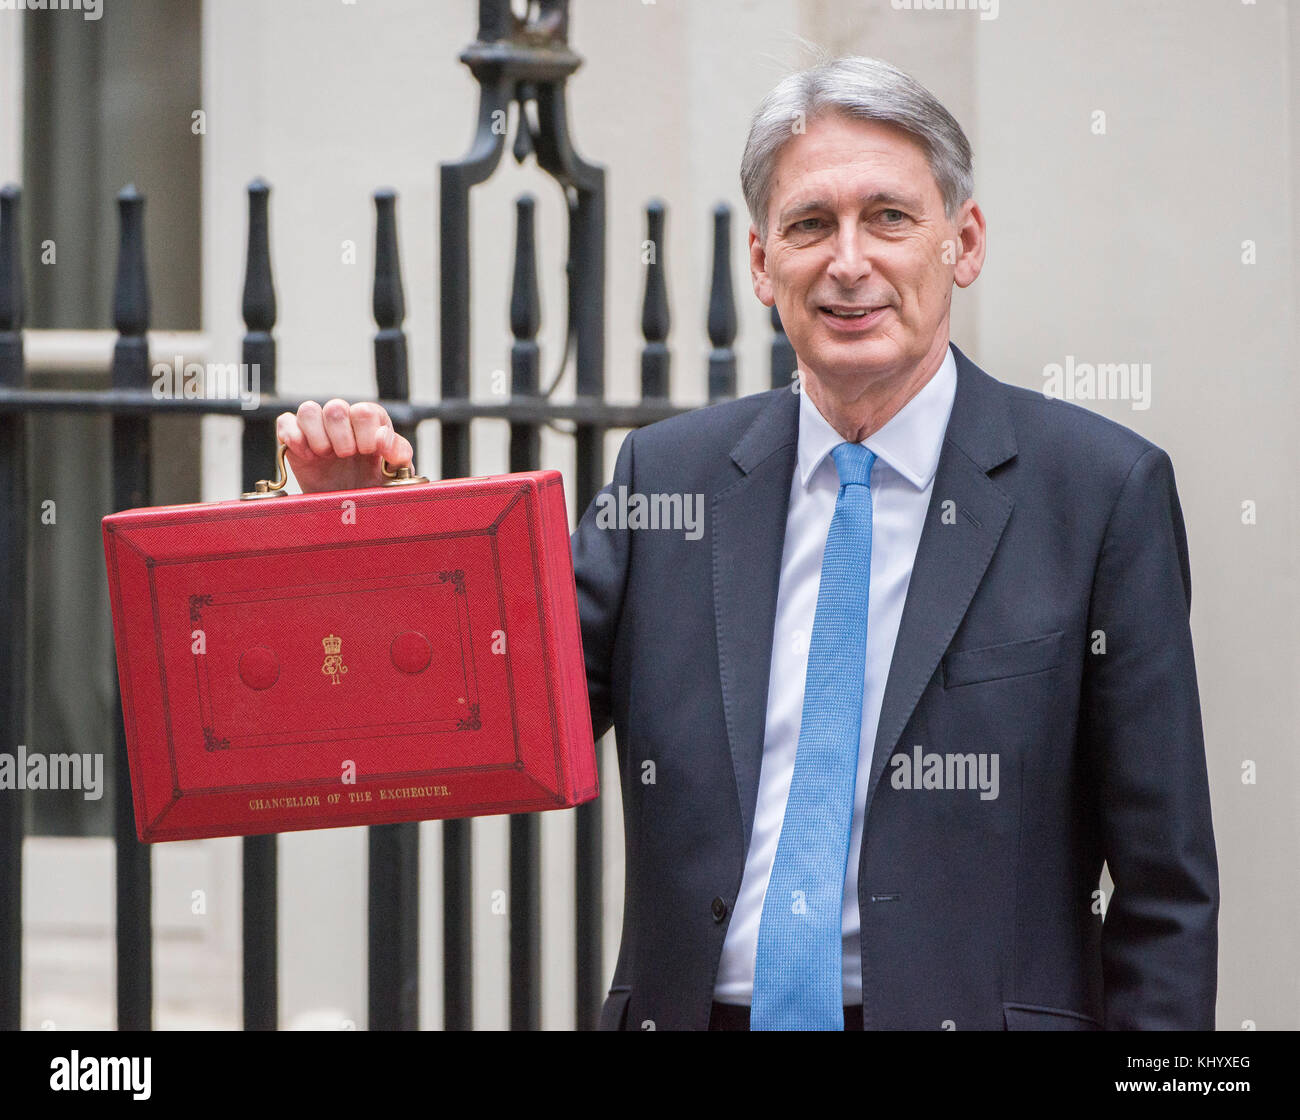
(403, 476)
(264, 488)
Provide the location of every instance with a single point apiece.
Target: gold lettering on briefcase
(333, 658)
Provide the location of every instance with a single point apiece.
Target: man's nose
(851, 262)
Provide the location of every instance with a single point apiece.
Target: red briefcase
(402, 652)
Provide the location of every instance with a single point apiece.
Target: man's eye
(893, 217)
(803, 224)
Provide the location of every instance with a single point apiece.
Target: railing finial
(259, 289)
(655, 318)
(131, 294)
(722, 310)
(12, 373)
(392, 376)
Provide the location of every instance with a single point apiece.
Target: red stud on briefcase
(409, 651)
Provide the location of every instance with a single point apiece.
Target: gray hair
(864, 89)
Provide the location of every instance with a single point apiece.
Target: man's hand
(338, 447)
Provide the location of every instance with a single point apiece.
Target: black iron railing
(519, 62)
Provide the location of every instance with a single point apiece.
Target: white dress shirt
(907, 455)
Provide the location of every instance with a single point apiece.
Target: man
(928, 665)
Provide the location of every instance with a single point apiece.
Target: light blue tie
(798, 969)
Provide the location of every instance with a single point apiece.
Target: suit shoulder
(717, 426)
(1069, 431)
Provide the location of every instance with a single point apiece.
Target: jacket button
(719, 909)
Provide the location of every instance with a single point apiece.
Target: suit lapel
(952, 557)
(748, 535)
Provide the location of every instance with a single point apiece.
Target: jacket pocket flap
(1010, 659)
(1029, 1017)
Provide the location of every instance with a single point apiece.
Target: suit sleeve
(601, 554)
(1141, 723)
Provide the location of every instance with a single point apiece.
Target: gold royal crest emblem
(333, 666)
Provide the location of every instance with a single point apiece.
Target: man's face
(856, 224)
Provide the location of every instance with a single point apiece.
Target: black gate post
(394, 849)
(525, 60)
(258, 454)
(13, 607)
(585, 185)
(456, 179)
(131, 479)
(525, 904)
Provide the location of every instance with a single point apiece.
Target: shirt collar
(910, 443)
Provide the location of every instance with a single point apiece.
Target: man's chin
(840, 358)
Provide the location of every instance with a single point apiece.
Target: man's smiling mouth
(848, 311)
(852, 317)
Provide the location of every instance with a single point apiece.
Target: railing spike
(655, 318)
(131, 294)
(722, 310)
(12, 373)
(389, 303)
(525, 305)
(259, 291)
(783, 362)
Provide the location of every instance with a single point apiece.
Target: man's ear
(758, 269)
(972, 234)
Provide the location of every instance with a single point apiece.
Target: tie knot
(854, 463)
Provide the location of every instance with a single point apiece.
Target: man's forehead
(831, 186)
(862, 158)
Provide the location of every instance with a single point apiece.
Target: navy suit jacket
(1063, 531)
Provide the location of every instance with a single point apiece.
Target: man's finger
(287, 430)
(338, 426)
(403, 452)
(396, 449)
(312, 424)
(367, 418)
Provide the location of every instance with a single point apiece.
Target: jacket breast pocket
(1009, 659)
(613, 1014)
(1028, 1017)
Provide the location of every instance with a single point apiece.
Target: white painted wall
(11, 101)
